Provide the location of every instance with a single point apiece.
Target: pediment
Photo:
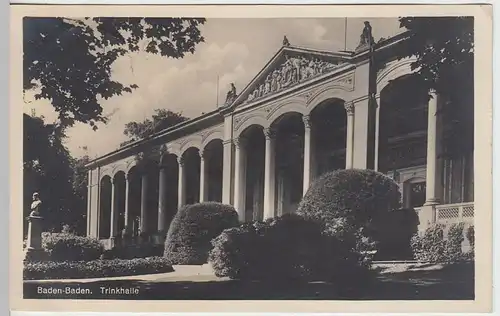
(290, 67)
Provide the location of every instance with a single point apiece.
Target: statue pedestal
(34, 250)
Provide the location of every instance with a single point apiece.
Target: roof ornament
(231, 95)
(286, 42)
(366, 37)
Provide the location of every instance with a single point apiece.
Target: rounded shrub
(345, 202)
(192, 229)
(69, 247)
(284, 249)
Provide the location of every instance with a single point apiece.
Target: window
(416, 191)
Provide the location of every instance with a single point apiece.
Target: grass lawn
(396, 282)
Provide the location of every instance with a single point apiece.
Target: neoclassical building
(305, 113)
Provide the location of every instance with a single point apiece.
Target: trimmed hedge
(285, 249)
(433, 247)
(69, 247)
(345, 202)
(95, 268)
(192, 229)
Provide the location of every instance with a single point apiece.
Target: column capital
(269, 133)
(180, 160)
(307, 121)
(227, 142)
(349, 107)
(239, 142)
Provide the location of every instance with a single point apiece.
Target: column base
(426, 217)
(159, 237)
(431, 202)
(114, 242)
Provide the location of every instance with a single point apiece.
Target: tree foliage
(444, 52)
(162, 119)
(68, 61)
(50, 170)
(443, 47)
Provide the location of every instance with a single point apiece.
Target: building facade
(305, 113)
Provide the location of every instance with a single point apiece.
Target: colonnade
(238, 155)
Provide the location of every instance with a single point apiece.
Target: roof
(329, 57)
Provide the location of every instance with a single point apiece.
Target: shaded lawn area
(454, 282)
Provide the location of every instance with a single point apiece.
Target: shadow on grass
(450, 283)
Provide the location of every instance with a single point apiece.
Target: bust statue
(36, 205)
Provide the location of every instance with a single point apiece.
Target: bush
(393, 233)
(94, 269)
(192, 229)
(432, 247)
(453, 249)
(346, 201)
(285, 249)
(470, 237)
(68, 247)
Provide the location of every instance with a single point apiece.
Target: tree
(68, 61)
(162, 119)
(77, 220)
(443, 47)
(60, 179)
(444, 52)
(47, 169)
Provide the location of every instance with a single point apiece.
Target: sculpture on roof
(366, 37)
(286, 42)
(231, 95)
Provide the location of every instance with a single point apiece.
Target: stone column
(433, 168)
(127, 229)
(144, 204)
(114, 212)
(364, 134)
(307, 153)
(162, 200)
(269, 174)
(433, 141)
(240, 178)
(181, 195)
(377, 132)
(203, 176)
(89, 202)
(349, 107)
(228, 161)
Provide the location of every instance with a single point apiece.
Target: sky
(235, 50)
